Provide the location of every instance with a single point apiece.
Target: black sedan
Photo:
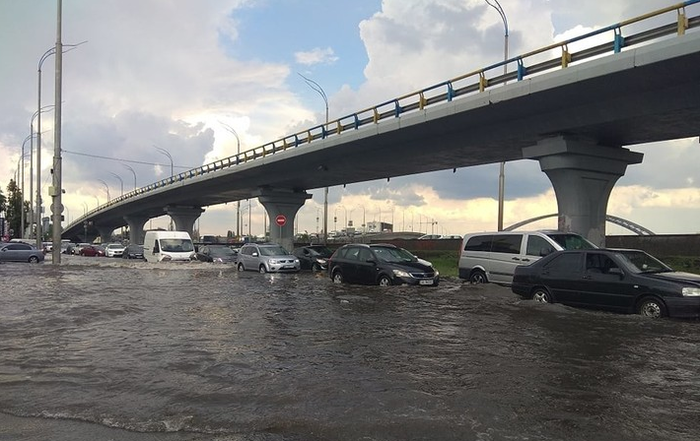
(380, 264)
(313, 257)
(620, 280)
(133, 251)
(217, 254)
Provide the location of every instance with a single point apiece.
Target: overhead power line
(186, 167)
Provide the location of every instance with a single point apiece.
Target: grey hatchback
(266, 258)
(20, 252)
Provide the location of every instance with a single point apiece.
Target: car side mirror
(370, 260)
(254, 254)
(616, 271)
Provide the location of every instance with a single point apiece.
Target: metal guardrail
(473, 82)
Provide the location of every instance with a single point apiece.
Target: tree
(14, 206)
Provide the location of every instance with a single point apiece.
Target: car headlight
(690, 292)
(437, 273)
(321, 261)
(401, 273)
(274, 261)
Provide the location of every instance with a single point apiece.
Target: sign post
(281, 220)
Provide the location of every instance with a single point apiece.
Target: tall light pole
(238, 152)
(128, 167)
(31, 159)
(172, 172)
(39, 233)
(109, 198)
(121, 182)
(502, 173)
(21, 179)
(318, 89)
(47, 54)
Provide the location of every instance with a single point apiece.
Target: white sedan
(114, 250)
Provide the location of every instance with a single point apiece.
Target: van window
(479, 243)
(537, 246)
(507, 243)
(156, 249)
(570, 241)
(176, 245)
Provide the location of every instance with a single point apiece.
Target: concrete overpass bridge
(573, 111)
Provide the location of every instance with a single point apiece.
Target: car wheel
(240, 267)
(337, 277)
(385, 280)
(33, 259)
(477, 277)
(651, 307)
(541, 295)
(262, 269)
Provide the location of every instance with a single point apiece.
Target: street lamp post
(318, 89)
(133, 172)
(172, 172)
(109, 198)
(121, 182)
(21, 178)
(501, 176)
(37, 114)
(238, 152)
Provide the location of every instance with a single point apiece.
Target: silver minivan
(267, 258)
(492, 257)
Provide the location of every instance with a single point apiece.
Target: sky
(147, 76)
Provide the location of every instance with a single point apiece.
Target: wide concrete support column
(136, 224)
(583, 173)
(105, 233)
(184, 217)
(286, 203)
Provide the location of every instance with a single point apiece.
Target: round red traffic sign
(281, 219)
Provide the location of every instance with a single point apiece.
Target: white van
(492, 257)
(161, 246)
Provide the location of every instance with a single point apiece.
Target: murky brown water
(203, 351)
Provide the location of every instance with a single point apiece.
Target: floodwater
(109, 349)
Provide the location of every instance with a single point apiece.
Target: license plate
(426, 282)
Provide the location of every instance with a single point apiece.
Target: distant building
(379, 227)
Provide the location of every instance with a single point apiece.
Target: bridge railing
(554, 56)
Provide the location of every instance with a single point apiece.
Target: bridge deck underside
(617, 101)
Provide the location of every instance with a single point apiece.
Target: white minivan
(492, 257)
(161, 246)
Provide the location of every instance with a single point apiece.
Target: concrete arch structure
(631, 226)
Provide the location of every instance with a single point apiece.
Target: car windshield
(320, 251)
(273, 251)
(176, 245)
(641, 262)
(221, 251)
(393, 254)
(569, 241)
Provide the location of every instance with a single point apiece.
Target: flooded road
(124, 350)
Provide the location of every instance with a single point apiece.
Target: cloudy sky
(171, 74)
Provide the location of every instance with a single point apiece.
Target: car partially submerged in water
(380, 264)
(620, 280)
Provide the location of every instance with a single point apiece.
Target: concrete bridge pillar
(136, 224)
(583, 174)
(184, 217)
(286, 203)
(105, 233)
